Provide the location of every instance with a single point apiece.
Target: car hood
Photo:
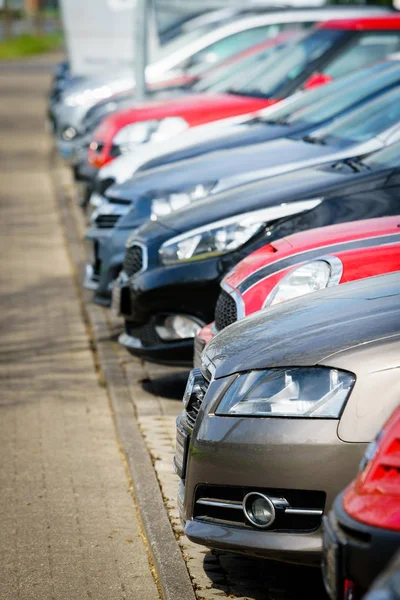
(318, 326)
(126, 165)
(235, 137)
(232, 168)
(183, 107)
(250, 269)
(289, 187)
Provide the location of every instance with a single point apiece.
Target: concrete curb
(169, 564)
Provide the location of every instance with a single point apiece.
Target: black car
(170, 281)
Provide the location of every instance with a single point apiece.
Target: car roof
(364, 23)
(306, 330)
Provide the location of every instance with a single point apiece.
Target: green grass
(29, 45)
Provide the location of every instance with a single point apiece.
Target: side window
(366, 49)
(231, 45)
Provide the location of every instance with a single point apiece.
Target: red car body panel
(364, 24)
(372, 258)
(195, 109)
(374, 497)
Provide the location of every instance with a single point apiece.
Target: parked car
(303, 263)
(300, 113)
(335, 48)
(279, 415)
(362, 532)
(172, 267)
(161, 191)
(203, 101)
(196, 49)
(172, 88)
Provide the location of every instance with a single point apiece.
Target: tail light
(374, 497)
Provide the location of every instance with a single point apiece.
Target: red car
(303, 263)
(362, 532)
(333, 49)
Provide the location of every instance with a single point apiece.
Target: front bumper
(354, 551)
(229, 457)
(107, 252)
(172, 353)
(140, 337)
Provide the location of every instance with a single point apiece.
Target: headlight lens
(309, 277)
(226, 235)
(306, 392)
(96, 94)
(148, 131)
(69, 133)
(169, 203)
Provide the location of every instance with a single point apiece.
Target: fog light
(178, 327)
(259, 510)
(69, 133)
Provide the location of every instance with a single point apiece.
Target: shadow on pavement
(170, 386)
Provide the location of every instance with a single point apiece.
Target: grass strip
(29, 45)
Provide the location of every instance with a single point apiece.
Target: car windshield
(319, 104)
(388, 157)
(223, 78)
(275, 73)
(183, 40)
(360, 86)
(363, 123)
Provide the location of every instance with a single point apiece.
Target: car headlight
(306, 392)
(309, 277)
(148, 131)
(164, 205)
(69, 133)
(96, 94)
(227, 235)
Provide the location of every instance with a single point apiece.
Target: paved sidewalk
(69, 525)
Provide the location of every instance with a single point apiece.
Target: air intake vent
(106, 221)
(225, 311)
(133, 262)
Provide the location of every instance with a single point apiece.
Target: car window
(229, 46)
(297, 107)
(282, 68)
(223, 77)
(366, 49)
(388, 157)
(335, 103)
(366, 122)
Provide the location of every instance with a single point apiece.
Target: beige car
(279, 415)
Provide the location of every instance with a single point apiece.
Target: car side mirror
(317, 79)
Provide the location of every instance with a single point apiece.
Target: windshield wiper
(357, 165)
(313, 140)
(251, 93)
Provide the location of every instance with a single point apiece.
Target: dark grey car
(278, 417)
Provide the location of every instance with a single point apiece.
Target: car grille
(194, 405)
(225, 311)
(97, 261)
(133, 261)
(106, 221)
(223, 504)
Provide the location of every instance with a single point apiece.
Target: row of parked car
(226, 212)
